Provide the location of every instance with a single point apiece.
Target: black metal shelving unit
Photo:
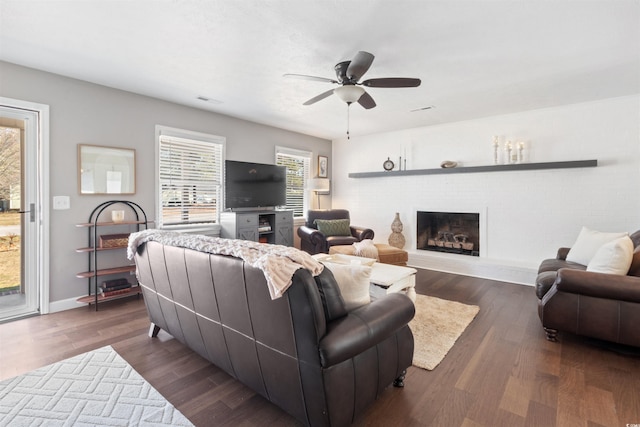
(93, 249)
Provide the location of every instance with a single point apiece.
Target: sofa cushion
(613, 257)
(354, 281)
(340, 240)
(332, 301)
(334, 227)
(588, 243)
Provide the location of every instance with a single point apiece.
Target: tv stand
(264, 226)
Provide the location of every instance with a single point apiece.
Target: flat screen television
(254, 185)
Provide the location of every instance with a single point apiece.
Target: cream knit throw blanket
(366, 248)
(278, 263)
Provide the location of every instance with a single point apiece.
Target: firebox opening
(450, 232)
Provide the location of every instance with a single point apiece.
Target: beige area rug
(436, 326)
(98, 388)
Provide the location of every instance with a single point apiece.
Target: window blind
(190, 174)
(298, 165)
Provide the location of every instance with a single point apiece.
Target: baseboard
(505, 271)
(65, 304)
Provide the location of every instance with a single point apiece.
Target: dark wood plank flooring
(501, 372)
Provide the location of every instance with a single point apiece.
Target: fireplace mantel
(472, 169)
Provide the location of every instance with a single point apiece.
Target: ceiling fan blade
(392, 82)
(359, 65)
(320, 97)
(367, 101)
(305, 77)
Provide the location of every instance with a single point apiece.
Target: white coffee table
(394, 278)
(385, 278)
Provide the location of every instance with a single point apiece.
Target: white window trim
(300, 153)
(199, 136)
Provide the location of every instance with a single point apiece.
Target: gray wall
(85, 113)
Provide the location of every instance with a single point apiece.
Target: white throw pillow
(588, 243)
(613, 257)
(353, 281)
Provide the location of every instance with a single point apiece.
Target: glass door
(20, 222)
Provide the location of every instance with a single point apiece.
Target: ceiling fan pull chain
(348, 119)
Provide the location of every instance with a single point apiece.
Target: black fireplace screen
(450, 232)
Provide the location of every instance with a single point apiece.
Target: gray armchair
(314, 241)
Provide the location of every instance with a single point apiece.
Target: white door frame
(37, 260)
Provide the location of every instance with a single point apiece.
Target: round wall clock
(388, 164)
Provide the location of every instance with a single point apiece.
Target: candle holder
(520, 152)
(117, 216)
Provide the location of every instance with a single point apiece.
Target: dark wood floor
(501, 372)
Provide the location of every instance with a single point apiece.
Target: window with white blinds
(298, 163)
(190, 171)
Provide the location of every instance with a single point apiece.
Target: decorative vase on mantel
(396, 239)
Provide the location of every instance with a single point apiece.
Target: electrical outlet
(61, 203)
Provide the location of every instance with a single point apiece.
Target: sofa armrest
(361, 233)
(310, 234)
(312, 240)
(599, 285)
(562, 253)
(364, 327)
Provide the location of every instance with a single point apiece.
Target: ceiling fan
(348, 74)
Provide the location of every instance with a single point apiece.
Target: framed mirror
(106, 170)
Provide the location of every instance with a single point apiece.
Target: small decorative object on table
(495, 150)
(388, 164)
(396, 239)
(448, 164)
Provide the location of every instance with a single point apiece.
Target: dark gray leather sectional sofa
(302, 351)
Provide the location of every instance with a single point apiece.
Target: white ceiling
(475, 58)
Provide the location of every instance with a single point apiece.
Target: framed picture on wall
(106, 170)
(323, 166)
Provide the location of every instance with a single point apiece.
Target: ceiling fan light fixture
(349, 93)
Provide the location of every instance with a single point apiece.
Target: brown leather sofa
(314, 242)
(596, 305)
(304, 352)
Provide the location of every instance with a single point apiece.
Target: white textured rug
(98, 388)
(436, 327)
